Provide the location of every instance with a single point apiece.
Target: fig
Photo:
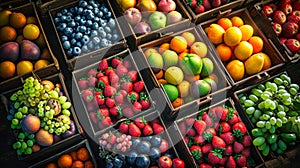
(9, 52)
(29, 51)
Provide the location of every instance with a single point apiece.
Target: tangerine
(215, 33)
(17, 20)
(177, 102)
(178, 44)
(88, 164)
(163, 47)
(225, 23)
(237, 21)
(83, 154)
(7, 33)
(41, 64)
(7, 69)
(31, 20)
(65, 161)
(24, 67)
(51, 165)
(160, 74)
(74, 155)
(224, 52)
(257, 44)
(31, 31)
(236, 69)
(162, 81)
(78, 164)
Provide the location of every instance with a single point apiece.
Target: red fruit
(157, 128)
(227, 137)
(192, 3)
(268, 11)
(237, 147)
(147, 130)
(164, 162)
(109, 91)
(234, 119)
(199, 126)
(127, 63)
(240, 126)
(186, 140)
(216, 126)
(156, 120)
(294, 16)
(145, 104)
(100, 99)
(189, 121)
(216, 3)
(127, 86)
(92, 81)
(223, 161)
(293, 45)
(282, 40)
(207, 119)
(273, 6)
(230, 162)
(196, 151)
(128, 112)
(277, 28)
(296, 5)
(225, 113)
(206, 4)
(140, 122)
(138, 86)
(90, 107)
(110, 102)
(133, 130)
(115, 62)
(214, 157)
(123, 128)
(103, 64)
(112, 139)
(82, 84)
(103, 111)
(133, 96)
(218, 142)
(212, 131)
(191, 132)
(178, 163)
(199, 9)
(123, 92)
(279, 17)
(246, 141)
(164, 146)
(225, 127)
(119, 98)
(106, 121)
(103, 82)
(206, 148)
(216, 112)
(289, 29)
(121, 69)
(93, 117)
(298, 36)
(92, 73)
(199, 140)
(137, 107)
(87, 96)
(182, 128)
(205, 165)
(241, 161)
(108, 71)
(228, 150)
(246, 152)
(113, 77)
(132, 75)
(116, 111)
(286, 8)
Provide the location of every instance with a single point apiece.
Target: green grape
(47, 107)
(273, 105)
(61, 123)
(28, 151)
(45, 119)
(261, 105)
(15, 121)
(48, 122)
(13, 126)
(250, 110)
(248, 103)
(41, 110)
(66, 112)
(272, 130)
(295, 86)
(268, 125)
(46, 127)
(261, 124)
(54, 94)
(270, 113)
(15, 146)
(13, 97)
(19, 92)
(41, 114)
(31, 90)
(37, 94)
(285, 83)
(24, 145)
(257, 114)
(50, 116)
(59, 130)
(51, 111)
(31, 136)
(280, 107)
(265, 96)
(286, 108)
(285, 78)
(261, 87)
(21, 135)
(287, 102)
(25, 109)
(29, 143)
(32, 104)
(264, 129)
(281, 114)
(63, 128)
(47, 114)
(265, 117)
(242, 99)
(37, 100)
(43, 123)
(282, 91)
(256, 92)
(56, 124)
(278, 81)
(62, 99)
(284, 120)
(51, 125)
(19, 152)
(272, 120)
(267, 103)
(16, 105)
(45, 95)
(51, 130)
(68, 126)
(285, 96)
(279, 122)
(253, 98)
(293, 91)
(281, 87)
(67, 105)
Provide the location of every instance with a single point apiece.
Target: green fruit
(191, 64)
(266, 151)
(259, 141)
(174, 75)
(199, 88)
(171, 91)
(282, 145)
(208, 67)
(170, 58)
(156, 62)
(157, 20)
(212, 83)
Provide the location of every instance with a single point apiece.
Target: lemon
(247, 32)
(215, 33)
(232, 36)
(243, 50)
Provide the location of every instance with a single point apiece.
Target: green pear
(157, 20)
(170, 58)
(156, 62)
(208, 67)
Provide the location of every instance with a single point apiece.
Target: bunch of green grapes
(269, 107)
(24, 143)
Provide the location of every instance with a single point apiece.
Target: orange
(17, 20)
(149, 51)
(31, 20)
(51, 165)
(73, 155)
(163, 47)
(7, 69)
(4, 17)
(88, 164)
(232, 36)
(243, 50)
(83, 154)
(65, 161)
(7, 33)
(178, 44)
(177, 102)
(247, 32)
(162, 81)
(236, 70)
(267, 61)
(215, 33)
(31, 32)
(225, 23)
(257, 44)
(189, 37)
(237, 21)
(182, 55)
(78, 164)
(24, 67)
(41, 64)
(224, 52)
(160, 74)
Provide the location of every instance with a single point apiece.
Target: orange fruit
(267, 61)
(163, 47)
(237, 21)
(83, 154)
(236, 69)
(225, 23)
(4, 17)
(73, 155)
(257, 44)
(7, 33)
(247, 32)
(215, 33)
(178, 44)
(177, 102)
(160, 74)
(243, 50)
(78, 164)
(31, 32)
(88, 164)
(182, 55)
(51, 165)
(17, 20)
(31, 20)
(224, 52)
(41, 64)
(65, 161)
(232, 36)
(24, 67)
(162, 81)
(7, 69)
(149, 51)
(189, 37)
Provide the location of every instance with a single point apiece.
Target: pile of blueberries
(86, 27)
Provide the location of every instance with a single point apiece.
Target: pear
(254, 64)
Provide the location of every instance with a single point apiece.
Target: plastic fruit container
(58, 141)
(189, 138)
(107, 37)
(276, 59)
(188, 97)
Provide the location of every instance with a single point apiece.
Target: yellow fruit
(215, 33)
(31, 32)
(232, 36)
(174, 75)
(4, 17)
(7, 69)
(247, 32)
(236, 69)
(41, 64)
(237, 21)
(243, 50)
(267, 61)
(225, 23)
(257, 44)
(183, 88)
(254, 64)
(24, 67)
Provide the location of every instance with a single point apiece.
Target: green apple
(208, 67)
(156, 62)
(191, 64)
(157, 20)
(170, 58)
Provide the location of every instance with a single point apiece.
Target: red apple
(142, 28)
(296, 5)
(273, 6)
(199, 9)
(289, 29)
(164, 162)
(286, 8)
(178, 163)
(279, 17)
(298, 36)
(133, 16)
(282, 40)
(268, 11)
(293, 45)
(164, 146)
(277, 28)
(294, 16)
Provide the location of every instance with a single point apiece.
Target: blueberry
(91, 2)
(78, 36)
(73, 41)
(62, 26)
(97, 47)
(102, 34)
(89, 7)
(154, 154)
(66, 45)
(99, 14)
(82, 21)
(82, 29)
(72, 23)
(88, 23)
(107, 29)
(108, 36)
(63, 38)
(96, 10)
(70, 52)
(109, 163)
(56, 20)
(95, 26)
(131, 158)
(84, 49)
(108, 15)
(117, 162)
(78, 44)
(79, 11)
(68, 31)
(63, 18)
(115, 37)
(90, 16)
(102, 22)
(64, 11)
(72, 10)
(69, 14)
(142, 161)
(156, 141)
(86, 12)
(96, 40)
(76, 51)
(90, 45)
(87, 32)
(69, 18)
(85, 39)
(94, 33)
(111, 23)
(96, 19)
(58, 14)
(77, 18)
(109, 43)
(83, 3)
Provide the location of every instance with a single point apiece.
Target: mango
(254, 64)
(29, 51)
(9, 51)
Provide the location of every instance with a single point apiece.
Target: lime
(171, 91)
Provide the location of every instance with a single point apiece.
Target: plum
(9, 51)
(29, 51)
(71, 131)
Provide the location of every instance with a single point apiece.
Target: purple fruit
(56, 138)
(142, 28)
(29, 51)
(199, 88)
(9, 51)
(71, 131)
(31, 124)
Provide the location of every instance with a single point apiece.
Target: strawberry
(237, 147)
(103, 64)
(199, 140)
(90, 107)
(205, 165)
(191, 132)
(137, 107)
(99, 74)
(133, 96)
(211, 130)
(206, 148)
(234, 119)
(127, 112)
(138, 86)
(112, 139)
(92, 81)
(108, 71)
(147, 130)
(240, 126)
(127, 86)
(207, 136)
(223, 161)
(189, 121)
(106, 121)
(116, 61)
(214, 157)
(218, 142)
(113, 77)
(103, 82)
(199, 9)
(144, 101)
(110, 102)
(127, 63)
(157, 128)
(116, 85)
(230, 162)
(246, 141)
(186, 140)
(224, 127)
(207, 119)
(241, 160)
(123, 92)
(156, 120)
(227, 137)
(123, 128)
(87, 95)
(121, 69)
(132, 75)
(196, 151)
(182, 128)
(100, 99)
(228, 150)
(109, 91)
(98, 91)
(199, 126)
(93, 117)
(246, 152)
(224, 116)
(82, 84)
(103, 112)
(119, 98)
(216, 126)
(116, 111)
(218, 112)
(140, 122)
(133, 130)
